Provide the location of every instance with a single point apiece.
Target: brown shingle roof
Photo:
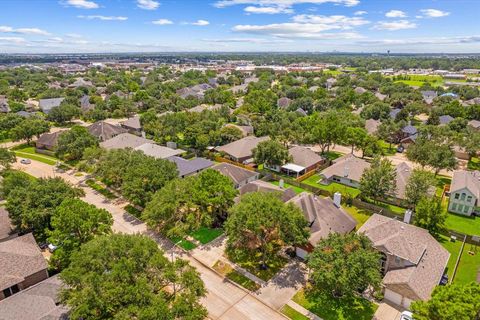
(104, 130)
(403, 175)
(428, 258)
(262, 186)
(242, 148)
(347, 166)
(19, 258)
(324, 216)
(124, 140)
(304, 157)
(236, 174)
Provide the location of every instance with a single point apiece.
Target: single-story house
(360, 90)
(413, 262)
(465, 193)
(475, 124)
(394, 112)
(159, 152)
(104, 130)
(204, 107)
(80, 82)
(403, 175)
(445, 119)
(123, 141)
(239, 176)
(48, 141)
(133, 125)
(38, 302)
(242, 150)
(4, 107)
(461, 153)
(190, 167)
(22, 265)
(303, 160)
(246, 130)
(346, 170)
(48, 104)
(324, 217)
(263, 186)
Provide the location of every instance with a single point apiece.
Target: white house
(465, 192)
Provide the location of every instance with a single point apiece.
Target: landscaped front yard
(205, 235)
(227, 271)
(329, 308)
(24, 151)
(252, 264)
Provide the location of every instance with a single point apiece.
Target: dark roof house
(189, 167)
(104, 130)
(48, 104)
(239, 176)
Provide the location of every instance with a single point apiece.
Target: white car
(406, 315)
(25, 161)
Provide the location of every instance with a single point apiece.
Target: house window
(463, 196)
(469, 198)
(457, 196)
(465, 210)
(454, 206)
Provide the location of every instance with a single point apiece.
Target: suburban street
(224, 300)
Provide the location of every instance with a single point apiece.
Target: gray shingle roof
(188, 167)
(263, 186)
(159, 152)
(445, 119)
(123, 141)
(304, 157)
(235, 173)
(5, 224)
(242, 148)
(19, 258)
(463, 179)
(403, 174)
(48, 104)
(133, 123)
(347, 166)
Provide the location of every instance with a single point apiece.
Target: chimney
(337, 199)
(407, 216)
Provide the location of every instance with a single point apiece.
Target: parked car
(444, 280)
(25, 161)
(400, 149)
(406, 315)
(52, 247)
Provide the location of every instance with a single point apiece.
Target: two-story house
(412, 261)
(465, 192)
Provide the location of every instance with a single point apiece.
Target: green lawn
(469, 265)
(133, 211)
(332, 187)
(183, 243)
(441, 182)
(361, 215)
(417, 80)
(24, 151)
(205, 235)
(454, 249)
(100, 189)
(463, 224)
(252, 264)
(474, 163)
(292, 313)
(387, 151)
(330, 308)
(286, 186)
(227, 271)
(332, 155)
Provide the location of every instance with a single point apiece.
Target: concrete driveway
(387, 312)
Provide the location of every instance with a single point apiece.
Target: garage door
(393, 297)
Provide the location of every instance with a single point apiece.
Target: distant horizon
(150, 26)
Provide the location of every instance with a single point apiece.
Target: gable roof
(263, 186)
(445, 119)
(38, 302)
(104, 130)
(324, 216)
(409, 129)
(159, 152)
(20, 257)
(50, 139)
(463, 179)
(243, 147)
(133, 123)
(187, 167)
(235, 173)
(347, 166)
(372, 125)
(124, 140)
(48, 104)
(413, 244)
(474, 124)
(5, 224)
(304, 157)
(403, 174)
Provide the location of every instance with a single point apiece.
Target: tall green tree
(29, 128)
(379, 180)
(271, 153)
(430, 215)
(418, 185)
(128, 277)
(64, 113)
(7, 157)
(73, 223)
(454, 301)
(262, 223)
(72, 143)
(341, 265)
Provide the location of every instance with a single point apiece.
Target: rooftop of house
(324, 216)
(48, 104)
(133, 122)
(5, 224)
(188, 167)
(235, 173)
(203, 107)
(38, 302)
(123, 141)
(20, 257)
(347, 166)
(304, 157)
(263, 186)
(445, 119)
(372, 125)
(283, 102)
(243, 147)
(409, 129)
(159, 152)
(50, 139)
(104, 130)
(403, 174)
(428, 259)
(463, 179)
(474, 124)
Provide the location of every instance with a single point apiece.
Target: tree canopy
(271, 153)
(72, 143)
(379, 180)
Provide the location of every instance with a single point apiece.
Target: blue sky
(412, 26)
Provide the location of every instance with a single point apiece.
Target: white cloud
(395, 25)
(74, 35)
(336, 21)
(395, 14)
(162, 22)
(148, 4)
(267, 10)
(200, 23)
(434, 13)
(12, 39)
(360, 13)
(35, 31)
(82, 4)
(248, 40)
(104, 18)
